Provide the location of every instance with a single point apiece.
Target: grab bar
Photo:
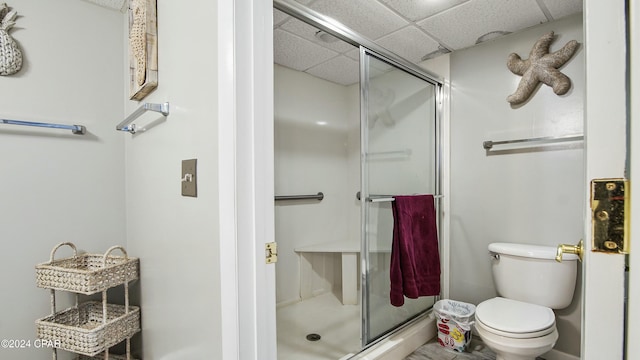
(488, 145)
(76, 129)
(387, 198)
(161, 108)
(319, 196)
(406, 152)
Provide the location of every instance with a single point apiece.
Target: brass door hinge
(271, 252)
(610, 215)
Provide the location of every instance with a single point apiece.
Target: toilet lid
(514, 316)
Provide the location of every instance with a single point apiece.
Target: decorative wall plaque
(541, 67)
(143, 48)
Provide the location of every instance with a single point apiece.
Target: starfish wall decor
(541, 66)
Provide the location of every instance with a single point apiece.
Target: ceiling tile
(297, 53)
(456, 24)
(419, 9)
(309, 32)
(279, 17)
(460, 28)
(367, 17)
(559, 9)
(410, 43)
(341, 70)
(354, 54)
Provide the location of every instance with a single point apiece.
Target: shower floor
(339, 328)
(337, 324)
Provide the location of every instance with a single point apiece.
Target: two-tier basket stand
(89, 329)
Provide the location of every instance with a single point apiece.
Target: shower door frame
(346, 34)
(365, 53)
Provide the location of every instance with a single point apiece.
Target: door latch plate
(271, 252)
(610, 215)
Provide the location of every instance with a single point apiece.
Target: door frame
(605, 157)
(245, 175)
(633, 309)
(245, 92)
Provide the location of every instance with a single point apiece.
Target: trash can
(454, 320)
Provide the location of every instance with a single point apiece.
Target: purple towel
(415, 261)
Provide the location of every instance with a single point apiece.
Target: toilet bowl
(520, 324)
(516, 330)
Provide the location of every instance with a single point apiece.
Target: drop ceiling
(412, 29)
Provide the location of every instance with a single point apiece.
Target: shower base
(338, 326)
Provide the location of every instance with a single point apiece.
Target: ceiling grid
(412, 29)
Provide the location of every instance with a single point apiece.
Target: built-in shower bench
(349, 251)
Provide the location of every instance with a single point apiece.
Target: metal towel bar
(76, 129)
(488, 145)
(391, 198)
(161, 108)
(318, 196)
(387, 198)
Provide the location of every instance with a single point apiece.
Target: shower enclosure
(399, 154)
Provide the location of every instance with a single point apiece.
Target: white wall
(57, 186)
(607, 126)
(530, 197)
(177, 237)
(311, 121)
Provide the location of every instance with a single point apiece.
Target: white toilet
(519, 324)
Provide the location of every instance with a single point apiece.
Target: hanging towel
(415, 261)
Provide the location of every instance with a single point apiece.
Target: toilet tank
(531, 274)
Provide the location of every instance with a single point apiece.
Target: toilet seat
(515, 319)
(524, 336)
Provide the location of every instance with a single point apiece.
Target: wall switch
(189, 178)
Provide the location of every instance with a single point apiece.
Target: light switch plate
(190, 178)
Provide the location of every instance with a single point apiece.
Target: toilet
(520, 324)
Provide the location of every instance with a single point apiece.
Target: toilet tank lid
(529, 250)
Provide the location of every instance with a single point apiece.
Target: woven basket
(88, 273)
(101, 357)
(85, 330)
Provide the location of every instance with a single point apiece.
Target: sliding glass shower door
(400, 156)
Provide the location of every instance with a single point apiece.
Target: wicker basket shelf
(82, 329)
(91, 328)
(88, 273)
(101, 357)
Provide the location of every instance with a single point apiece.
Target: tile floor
(433, 351)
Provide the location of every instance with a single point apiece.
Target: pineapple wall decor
(143, 48)
(10, 54)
